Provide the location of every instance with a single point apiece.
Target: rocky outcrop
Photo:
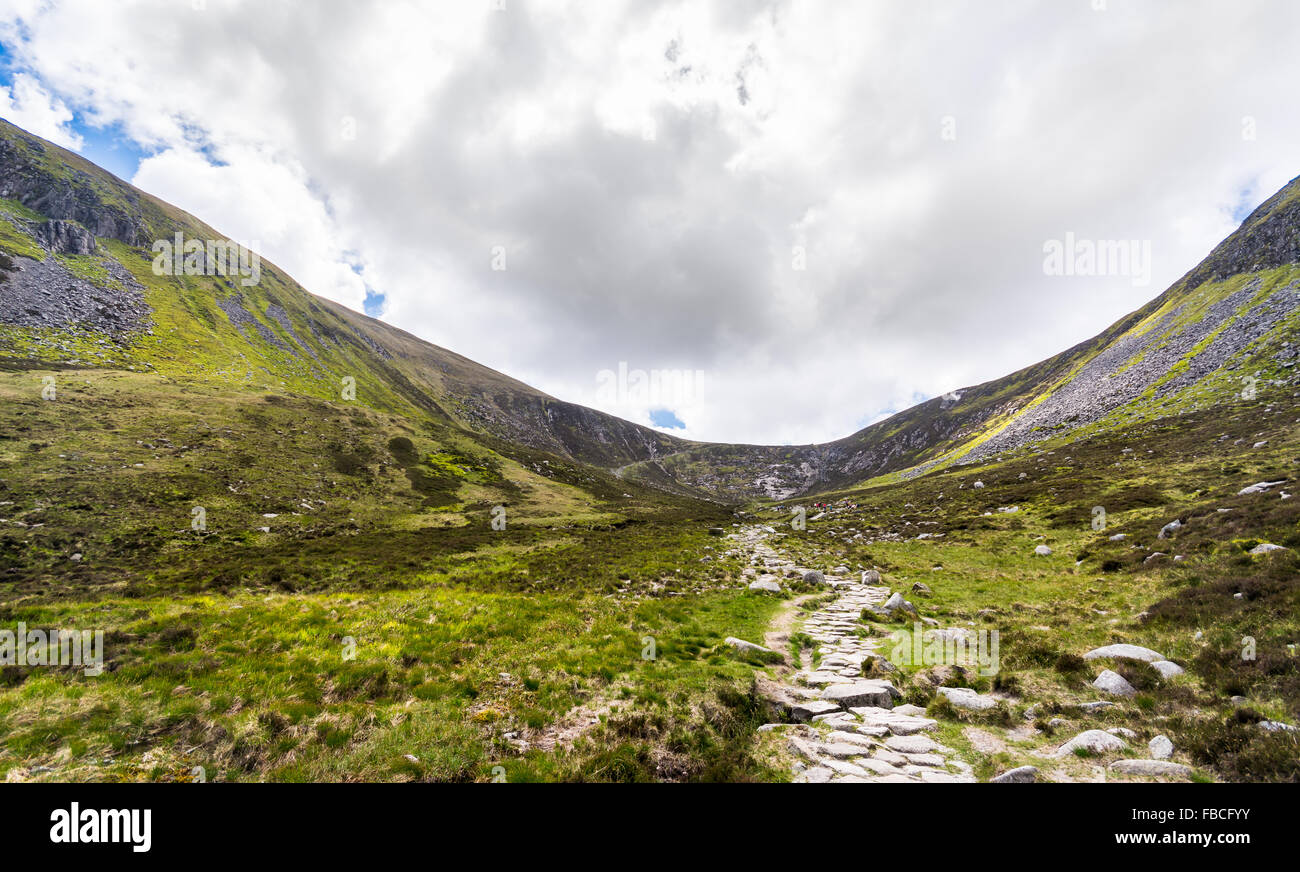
(65, 237)
(25, 177)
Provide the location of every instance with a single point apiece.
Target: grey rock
(746, 647)
(965, 698)
(873, 692)
(1043, 551)
(804, 711)
(1259, 487)
(1114, 684)
(1151, 768)
(1161, 748)
(1019, 775)
(1277, 727)
(1167, 668)
(1266, 547)
(1131, 652)
(1096, 741)
(766, 585)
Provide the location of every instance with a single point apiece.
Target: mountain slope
(1229, 326)
(1227, 321)
(100, 284)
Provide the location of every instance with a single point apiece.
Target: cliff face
(40, 180)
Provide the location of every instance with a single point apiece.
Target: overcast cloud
(652, 175)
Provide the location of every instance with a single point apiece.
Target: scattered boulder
(1259, 487)
(1130, 652)
(1043, 551)
(1277, 727)
(1161, 748)
(1094, 741)
(871, 576)
(814, 577)
(1019, 775)
(746, 647)
(967, 699)
(1114, 684)
(1170, 529)
(1167, 668)
(766, 584)
(1266, 547)
(922, 588)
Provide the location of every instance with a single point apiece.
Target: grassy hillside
(300, 582)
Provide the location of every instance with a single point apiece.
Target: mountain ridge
(66, 214)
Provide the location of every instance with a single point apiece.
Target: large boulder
(1167, 668)
(1094, 741)
(747, 647)
(1019, 775)
(1161, 748)
(1130, 652)
(1114, 684)
(967, 699)
(768, 585)
(814, 577)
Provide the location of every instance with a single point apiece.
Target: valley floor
(350, 613)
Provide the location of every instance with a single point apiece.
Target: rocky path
(847, 728)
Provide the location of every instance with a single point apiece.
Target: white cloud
(32, 108)
(649, 213)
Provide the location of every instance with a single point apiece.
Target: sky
(741, 221)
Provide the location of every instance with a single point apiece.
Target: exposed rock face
(22, 178)
(65, 237)
(1269, 237)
